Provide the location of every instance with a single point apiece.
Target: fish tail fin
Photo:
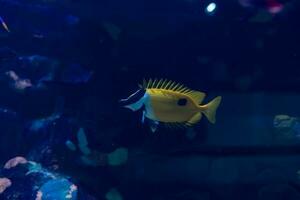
(209, 110)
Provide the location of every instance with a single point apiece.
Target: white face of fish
(135, 105)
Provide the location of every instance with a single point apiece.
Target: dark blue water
(64, 66)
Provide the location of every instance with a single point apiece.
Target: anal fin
(195, 119)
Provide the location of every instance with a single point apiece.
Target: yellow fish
(171, 104)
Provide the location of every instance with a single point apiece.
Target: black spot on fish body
(182, 102)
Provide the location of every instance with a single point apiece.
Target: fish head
(135, 101)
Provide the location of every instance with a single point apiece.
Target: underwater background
(65, 64)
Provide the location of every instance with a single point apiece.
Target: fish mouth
(123, 102)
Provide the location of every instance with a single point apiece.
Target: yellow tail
(210, 109)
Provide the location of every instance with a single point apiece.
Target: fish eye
(182, 102)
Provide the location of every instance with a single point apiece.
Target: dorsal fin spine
(144, 83)
(149, 85)
(154, 85)
(162, 83)
(159, 83)
(185, 90)
(153, 82)
(171, 86)
(167, 84)
(176, 87)
(180, 88)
